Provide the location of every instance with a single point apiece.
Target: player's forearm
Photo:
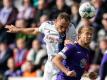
(58, 62)
(27, 31)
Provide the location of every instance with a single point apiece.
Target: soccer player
(55, 33)
(73, 58)
(103, 67)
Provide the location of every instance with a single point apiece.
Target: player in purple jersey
(74, 57)
(103, 68)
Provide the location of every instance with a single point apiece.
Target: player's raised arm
(57, 60)
(13, 29)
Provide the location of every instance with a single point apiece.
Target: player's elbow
(57, 59)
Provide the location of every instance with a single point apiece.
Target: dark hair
(65, 16)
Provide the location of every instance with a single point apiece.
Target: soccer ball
(87, 10)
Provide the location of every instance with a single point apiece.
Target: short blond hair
(85, 28)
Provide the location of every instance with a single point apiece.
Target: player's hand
(11, 28)
(92, 75)
(71, 73)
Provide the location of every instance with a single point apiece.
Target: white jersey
(52, 39)
(52, 36)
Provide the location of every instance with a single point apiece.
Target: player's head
(85, 34)
(7, 3)
(104, 20)
(103, 43)
(62, 22)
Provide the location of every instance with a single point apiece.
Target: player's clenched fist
(71, 73)
(92, 75)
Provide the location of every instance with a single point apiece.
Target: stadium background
(26, 54)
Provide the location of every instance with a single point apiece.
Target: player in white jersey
(51, 30)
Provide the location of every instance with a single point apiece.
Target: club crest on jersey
(83, 63)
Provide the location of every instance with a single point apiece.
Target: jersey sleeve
(67, 51)
(42, 27)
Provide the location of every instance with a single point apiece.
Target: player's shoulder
(71, 46)
(48, 22)
(68, 48)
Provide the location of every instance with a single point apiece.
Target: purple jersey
(75, 58)
(103, 68)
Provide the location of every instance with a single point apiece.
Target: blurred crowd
(25, 55)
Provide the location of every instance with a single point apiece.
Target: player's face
(104, 20)
(86, 37)
(61, 25)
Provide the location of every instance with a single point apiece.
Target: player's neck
(81, 43)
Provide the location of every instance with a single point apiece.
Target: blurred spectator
(18, 3)
(27, 11)
(36, 53)
(103, 32)
(44, 18)
(40, 71)
(28, 70)
(1, 76)
(20, 52)
(71, 2)
(83, 22)
(103, 66)
(41, 10)
(5, 54)
(100, 7)
(8, 14)
(11, 72)
(58, 8)
(98, 55)
(75, 17)
(35, 3)
(21, 23)
(1, 3)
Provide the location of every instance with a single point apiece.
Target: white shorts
(50, 71)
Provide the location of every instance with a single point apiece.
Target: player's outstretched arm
(57, 60)
(13, 29)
